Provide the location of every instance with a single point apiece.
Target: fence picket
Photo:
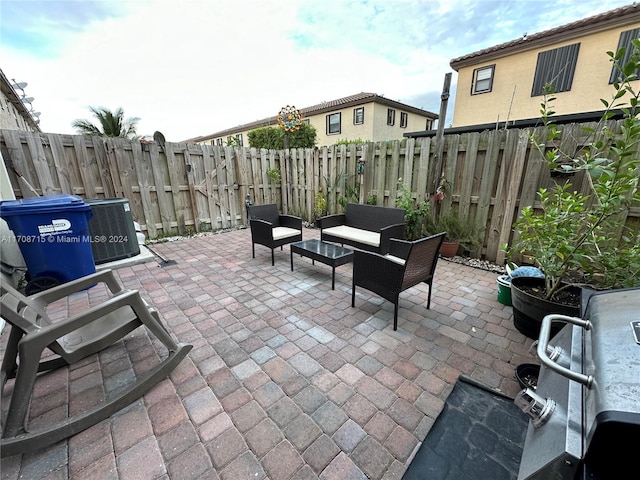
(449, 171)
(86, 167)
(66, 176)
(102, 163)
(468, 175)
(380, 169)
(510, 207)
(142, 165)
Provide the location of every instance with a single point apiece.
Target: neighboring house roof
(344, 102)
(7, 88)
(620, 16)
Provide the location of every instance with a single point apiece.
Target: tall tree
(111, 124)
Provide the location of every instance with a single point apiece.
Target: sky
(189, 68)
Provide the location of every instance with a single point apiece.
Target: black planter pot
(529, 310)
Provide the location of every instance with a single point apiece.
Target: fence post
(444, 101)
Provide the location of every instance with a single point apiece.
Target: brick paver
(285, 381)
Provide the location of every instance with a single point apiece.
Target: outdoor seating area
(285, 380)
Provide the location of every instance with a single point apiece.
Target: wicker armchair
(271, 229)
(407, 264)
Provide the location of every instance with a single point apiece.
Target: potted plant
(580, 239)
(460, 234)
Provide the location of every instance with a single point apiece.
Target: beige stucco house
(14, 114)
(365, 116)
(506, 82)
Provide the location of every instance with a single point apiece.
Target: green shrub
(320, 208)
(346, 141)
(266, 137)
(272, 138)
(416, 215)
(274, 175)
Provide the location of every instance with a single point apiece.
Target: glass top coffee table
(323, 252)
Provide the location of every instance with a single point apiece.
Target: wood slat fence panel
(179, 189)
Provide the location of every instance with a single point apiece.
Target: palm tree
(112, 124)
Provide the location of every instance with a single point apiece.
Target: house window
(404, 118)
(391, 116)
(624, 42)
(482, 81)
(239, 139)
(358, 116)
(555, 68)
(219, 142)
(429, 124)
(333, 123)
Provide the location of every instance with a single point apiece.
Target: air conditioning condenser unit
(113, 233)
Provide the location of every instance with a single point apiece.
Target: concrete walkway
(285, 380)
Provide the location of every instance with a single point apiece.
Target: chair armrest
(389, 232)
(291, 221)
(262, 228)
(329, 221)
(64, 290)
(399, 248)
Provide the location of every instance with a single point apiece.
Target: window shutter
(555, 67)
(624, 42)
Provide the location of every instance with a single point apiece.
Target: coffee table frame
(323, 252)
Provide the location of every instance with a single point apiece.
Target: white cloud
(195, 67)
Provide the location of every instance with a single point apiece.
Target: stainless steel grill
(585, 411)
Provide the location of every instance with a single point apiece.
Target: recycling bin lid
(45, 204)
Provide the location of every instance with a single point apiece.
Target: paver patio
(286, 380)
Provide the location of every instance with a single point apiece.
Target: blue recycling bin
(53, 235)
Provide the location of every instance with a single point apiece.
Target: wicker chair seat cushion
(354, 234)
(283, 232)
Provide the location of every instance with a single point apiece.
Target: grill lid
(612, 358)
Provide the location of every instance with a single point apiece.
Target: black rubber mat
(478, 436)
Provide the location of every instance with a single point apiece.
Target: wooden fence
(180, 188)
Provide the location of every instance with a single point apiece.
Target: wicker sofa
(366, 227)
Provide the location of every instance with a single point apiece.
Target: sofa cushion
(354, 235)
(284, 232)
